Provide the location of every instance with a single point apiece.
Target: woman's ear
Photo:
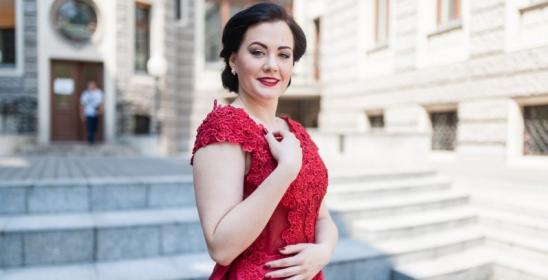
(232, 61)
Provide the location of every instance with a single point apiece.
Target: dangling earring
(233, 71)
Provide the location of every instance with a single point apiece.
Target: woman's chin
(268, 93)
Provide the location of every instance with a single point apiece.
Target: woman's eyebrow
(264, 46)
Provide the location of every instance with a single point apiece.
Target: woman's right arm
(230, 223)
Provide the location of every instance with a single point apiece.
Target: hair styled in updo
(237, 25)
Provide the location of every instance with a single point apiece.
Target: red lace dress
(294, 219)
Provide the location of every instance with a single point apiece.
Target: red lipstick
(269, 82)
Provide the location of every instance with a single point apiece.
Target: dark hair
(237, 25)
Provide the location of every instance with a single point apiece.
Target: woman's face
(264, 62)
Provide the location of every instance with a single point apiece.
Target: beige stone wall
(176, 103)
(483, 84)
(174, 39)
(341, 55)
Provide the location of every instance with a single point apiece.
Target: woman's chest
(311, 182)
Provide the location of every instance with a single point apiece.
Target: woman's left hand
(309, 259)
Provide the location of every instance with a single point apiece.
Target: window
(535, 136)
(217, 13)
(317, 45)
(382, 16)
(181, 10)
(178, 9)
(142, 125)
(212, 32)
(376, 121)
(142, 36)
(444, 130)
(305, 110)
(448, 11)
(7, 33)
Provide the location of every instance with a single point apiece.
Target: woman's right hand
(287, 151)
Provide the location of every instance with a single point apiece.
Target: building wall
(179, 83)
(340, 67)
(18, 87)
(135, 90)
(174, 40)
(486, 69)
(99, 49)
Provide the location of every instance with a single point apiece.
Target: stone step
(71, 149)
(196, 266)
(360, 176)
(358, 191)
(414, 224)
(514, 222)
(345, 214)
(88, 237)
(348, 259)
(512, 201)
(514, 266)
(478, 264)
(429, 246)
(94, 195)
(527, 246)
(470, 264)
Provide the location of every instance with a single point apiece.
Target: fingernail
(266, 266)
(265, 131)
(282, 249)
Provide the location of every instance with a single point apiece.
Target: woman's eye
(257, 52)
(284, 55)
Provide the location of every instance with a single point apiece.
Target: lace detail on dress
(305, 194)
(223, 124)
(302, 198)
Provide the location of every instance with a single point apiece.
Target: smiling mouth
(269, 82)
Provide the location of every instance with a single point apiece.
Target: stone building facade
(19, 80)
(55, 52)
(464, 73)
(468, 80)
(186, 33)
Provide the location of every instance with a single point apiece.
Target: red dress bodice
(294, 219)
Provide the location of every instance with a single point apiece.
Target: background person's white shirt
(91, 100)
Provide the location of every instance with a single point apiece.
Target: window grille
(536, 130)
(142, 36)
(376, 122)
(444, 130)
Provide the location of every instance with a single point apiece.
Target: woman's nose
(271, 64)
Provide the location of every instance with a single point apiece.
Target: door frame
(80, 63)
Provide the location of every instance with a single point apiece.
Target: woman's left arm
(308, 258)
(326, 231)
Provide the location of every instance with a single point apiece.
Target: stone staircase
(77, 149)
(428, 230)
(117, 228)
(394, 225)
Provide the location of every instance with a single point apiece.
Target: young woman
(258, 178)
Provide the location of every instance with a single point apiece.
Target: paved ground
(73, 167)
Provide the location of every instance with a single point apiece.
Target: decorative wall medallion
(75, 20)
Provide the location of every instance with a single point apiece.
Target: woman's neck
(264, 112)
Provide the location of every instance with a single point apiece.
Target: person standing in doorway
(91, 108)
